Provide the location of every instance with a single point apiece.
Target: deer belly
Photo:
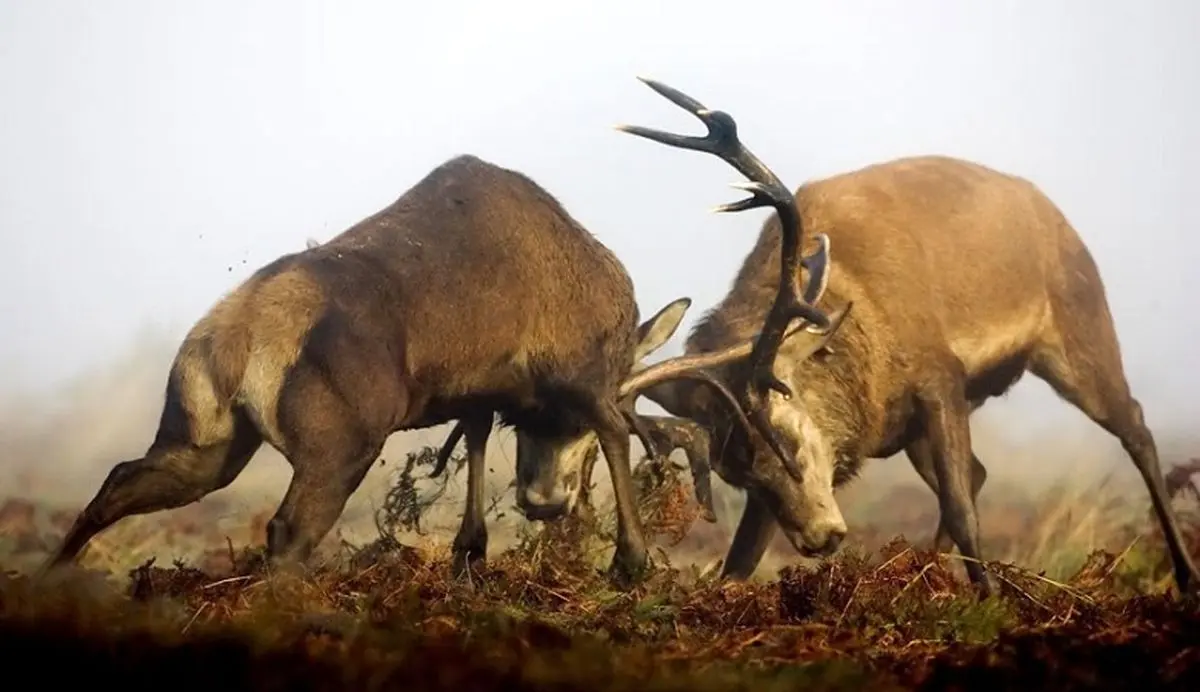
(983, 348)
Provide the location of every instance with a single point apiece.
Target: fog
(153, 154)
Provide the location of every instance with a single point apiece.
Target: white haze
(154, 153)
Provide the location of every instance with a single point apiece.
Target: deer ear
(817, 265)
(657, 330)
(805, 343)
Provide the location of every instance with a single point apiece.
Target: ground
(883, 614)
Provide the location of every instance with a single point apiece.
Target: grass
(541, 615)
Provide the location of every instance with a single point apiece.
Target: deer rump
(472, 294)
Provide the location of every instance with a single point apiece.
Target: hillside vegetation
(541, 615)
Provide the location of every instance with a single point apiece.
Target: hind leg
(173, 473)
(470, 544)
(920, 454)
(1094, 382)
(326, 472)
(331, 444)
(321, 486)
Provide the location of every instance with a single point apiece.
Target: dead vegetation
(542, 615)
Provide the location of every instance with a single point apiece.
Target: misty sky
(155, 153)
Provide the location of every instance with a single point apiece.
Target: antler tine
(673, 433)
(684, 368)
(638, 425)
(721, 141)
(675, 96)
(766, 190)
(765, 187)
(688, 368)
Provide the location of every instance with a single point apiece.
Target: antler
(695, 367)
(687, 366)
(766, 190)
(670, 433)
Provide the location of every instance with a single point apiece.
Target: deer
(461, 300)
(659, 435)
(951, 281)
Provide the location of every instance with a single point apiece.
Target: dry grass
(541, 615)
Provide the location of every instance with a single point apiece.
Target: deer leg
(1100, 391)
(330, 453)
(323, 479)
(947, 417)
(172, 474)
(330, 441)
(754, 533)
(447, 450)
(470, 544)
(629, 560)
(920, 454)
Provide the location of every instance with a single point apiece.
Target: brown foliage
(542, 615)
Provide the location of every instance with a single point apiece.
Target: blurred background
(154, 153)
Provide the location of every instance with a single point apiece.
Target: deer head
(549, 465)
(751, 365)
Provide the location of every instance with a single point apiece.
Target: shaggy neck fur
(830, 385)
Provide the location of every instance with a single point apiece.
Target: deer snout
(819, 532)
(833, 540)
(538, 504)
(823, 537)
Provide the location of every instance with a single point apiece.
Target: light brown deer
(462, 299)
(962, 279)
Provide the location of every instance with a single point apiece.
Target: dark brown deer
(552, 481)
(664, 434)
(474, 293)
(962, 279)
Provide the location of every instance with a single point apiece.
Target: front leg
(947, 418)
(920, 455)
(754, 533)
(470, 544)
(629, 561)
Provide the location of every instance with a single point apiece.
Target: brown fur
(473, 292)
(962, 278)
